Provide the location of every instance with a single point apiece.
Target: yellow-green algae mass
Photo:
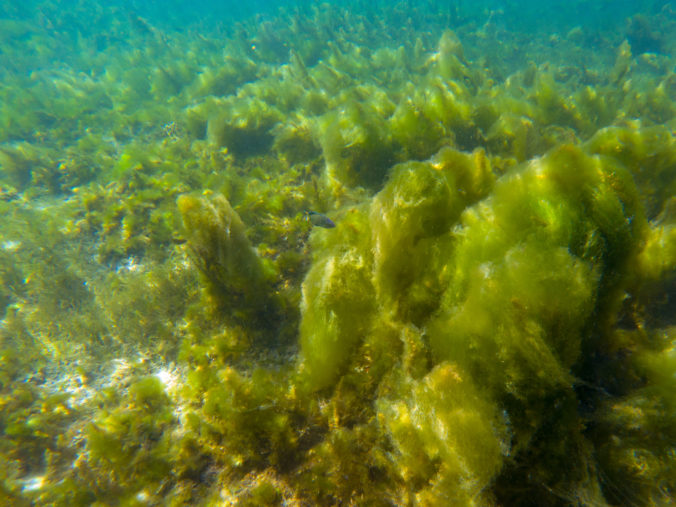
(490, 323)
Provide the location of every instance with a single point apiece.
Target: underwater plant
(307, 259)
(237, 277)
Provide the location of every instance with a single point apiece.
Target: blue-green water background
(70, 19)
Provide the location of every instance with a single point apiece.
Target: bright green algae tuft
(491, 321)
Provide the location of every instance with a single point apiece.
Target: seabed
(491, 321)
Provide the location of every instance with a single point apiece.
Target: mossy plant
(238, 279)
(130, 439)
(409, 220)
(337, 306)
(489, 321)
(449, 441)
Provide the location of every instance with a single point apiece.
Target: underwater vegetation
(308, 260)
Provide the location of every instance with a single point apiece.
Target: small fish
(319, 220)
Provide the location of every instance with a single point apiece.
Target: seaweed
(490, 321)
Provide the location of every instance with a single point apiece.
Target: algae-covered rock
(450, 58)
(449, 440)
(634, 434)
(295, 142)
(131, 439)
(532, 265)
(338, 303)
(391, 256)
(534, 257)
(658, 257)
(649, 154)
(356, 144)
(239, 281)
(512, 135)
(505, 289)
(410, 219)
(252, 416)
(490, 321)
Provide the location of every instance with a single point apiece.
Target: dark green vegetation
(491, 321)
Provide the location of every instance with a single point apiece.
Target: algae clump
(487, 326)
(449, 441)
(238, 280)
(337, 303)
(410, 219)
(487, 303)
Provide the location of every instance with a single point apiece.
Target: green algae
(449, 441)
(488, 323)
(217, 238)
(337, 288)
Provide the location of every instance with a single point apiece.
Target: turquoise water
(367, 253)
